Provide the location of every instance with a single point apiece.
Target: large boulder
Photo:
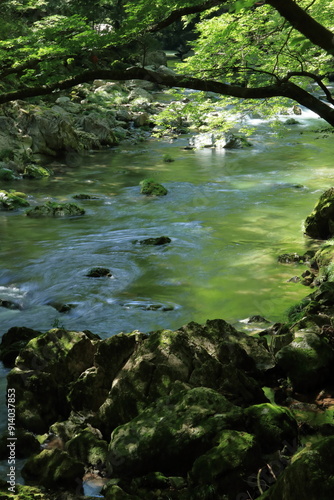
(320, 223)
(307, 361)
(213, 355)
(182, 426)
(309, 476)
(42, 371)
(53, 468)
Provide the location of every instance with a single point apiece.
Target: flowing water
(229, 215)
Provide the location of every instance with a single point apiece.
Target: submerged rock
(152, 188)
(54, 209)
(99, 272)
(320, 223)
(160, 240)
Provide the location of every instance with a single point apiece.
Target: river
(228, 213)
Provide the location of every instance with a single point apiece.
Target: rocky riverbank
(201, 412)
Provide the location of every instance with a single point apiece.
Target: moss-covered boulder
(152, 188)
(307, 361)
(42, 371)
(87, 448)
(12, 200)
(32, 171)
(90, 390)
(7, 174)
(213, 355)
(13, 341)
(320, 223)
(272, 425)
(227, 465)
(182, 425)
(54, 209)
(53, 468)
(310, 475)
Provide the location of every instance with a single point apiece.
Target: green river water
(229, 215)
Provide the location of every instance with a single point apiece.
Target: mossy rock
(183, 426)
(87, 448)
(272, 426)
(53, 209)
(6, 174)
(53, 468)
(320, 223)
(309, 476)
(152, 188)
(160, 240)
(12, 200)
(84, 196)
(307, 361)
(13, 341)
(35, 172)
(227, 465)
(99, 272)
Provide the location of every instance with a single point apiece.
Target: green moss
(87, 448)
(35, 172)
(152, 188)
(6, 174)
(271, 424)
(11, 200)
(54, 209)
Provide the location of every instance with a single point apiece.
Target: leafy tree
(244, 48)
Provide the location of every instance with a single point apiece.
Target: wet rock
(35, 172)
(13, 341)
(12, 200)
(6, 174)
(53, 468)
(308, 476)
(54, 209)
(60, 307)
(99, 272)
(320, 223)
(152, 188)
(307, 361)
(8, 304)
(219, 141)
(181, 425)
(257, 319)
(272, 425)
(84, 196)
(290, 258)
(160, 240)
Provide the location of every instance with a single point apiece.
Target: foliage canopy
(242, 48)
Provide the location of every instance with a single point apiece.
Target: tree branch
(185, 11)
(305, 24)
(314, 77)
(281, 89)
